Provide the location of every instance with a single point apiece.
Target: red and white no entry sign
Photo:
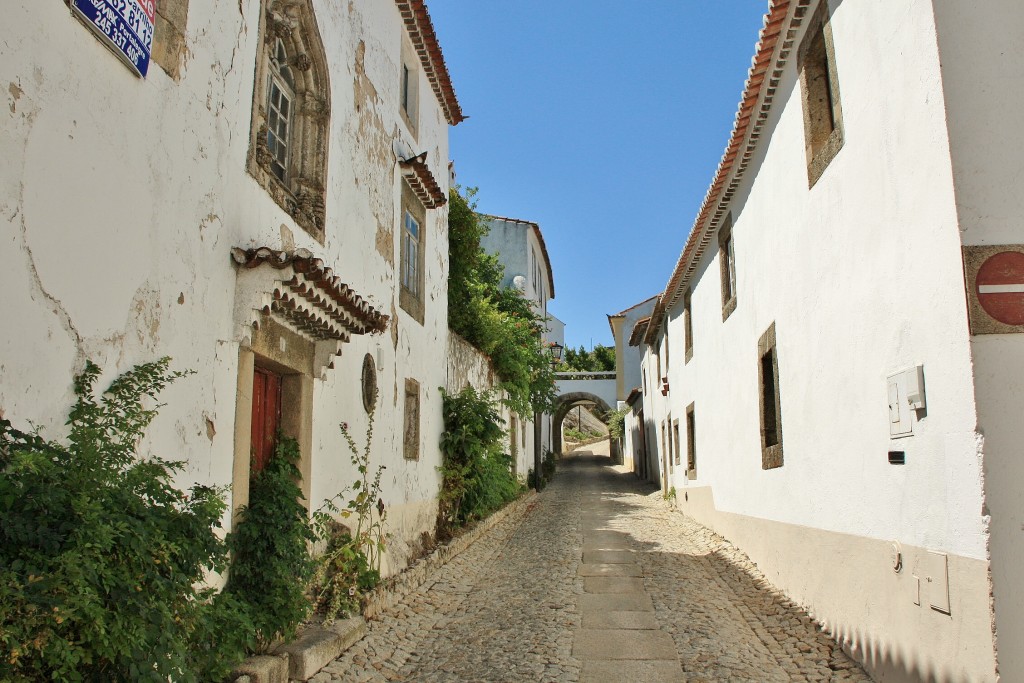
(1000, 287)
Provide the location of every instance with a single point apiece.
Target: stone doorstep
(304, 657)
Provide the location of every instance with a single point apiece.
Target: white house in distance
(629, 376)
(267, 207)
(519, 246)
(833, 399)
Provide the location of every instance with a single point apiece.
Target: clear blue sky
(603, 122)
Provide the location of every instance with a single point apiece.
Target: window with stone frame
(408, 86)
(819, 86)
(411, 259)
(727, 267)
(770, 400)
(291, 113)
(691, 443)
(169, 36)
(688, 324)
(411, 430)
(676, 442)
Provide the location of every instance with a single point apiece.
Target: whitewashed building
(267, 207)
(629, 378)
(520, 248)
(822, 388)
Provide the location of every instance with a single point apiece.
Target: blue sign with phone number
(124, 25)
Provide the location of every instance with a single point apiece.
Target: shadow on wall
(684, 585)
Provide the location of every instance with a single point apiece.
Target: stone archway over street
(567, 402)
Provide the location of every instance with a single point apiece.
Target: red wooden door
(266, 416)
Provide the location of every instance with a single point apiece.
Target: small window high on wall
(770, 400)
(819, 87)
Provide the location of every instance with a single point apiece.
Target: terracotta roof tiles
(421, 30)
(421, 180)
(770, 56)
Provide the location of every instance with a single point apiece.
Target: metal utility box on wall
(905, 390)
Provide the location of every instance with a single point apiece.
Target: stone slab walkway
(599, 581)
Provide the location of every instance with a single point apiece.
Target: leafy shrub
(271, 563)
(101, 557)
(549, 465)
(617, 423)
(577, 435)
(350, 564)
(497, 320)
(476, 476)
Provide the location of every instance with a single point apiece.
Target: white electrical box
(915, 387)
(901, 421)
(936, 571)
(905, 395)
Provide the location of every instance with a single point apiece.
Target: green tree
(495, 319)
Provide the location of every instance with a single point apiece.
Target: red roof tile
(421, 180)
(310, 297)
(424, 40)
(742, 142)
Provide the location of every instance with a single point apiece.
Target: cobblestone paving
(509, 607)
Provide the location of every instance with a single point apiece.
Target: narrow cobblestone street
(598, 581)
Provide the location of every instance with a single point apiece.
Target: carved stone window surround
(302, 192)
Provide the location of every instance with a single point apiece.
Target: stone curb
(412, 578)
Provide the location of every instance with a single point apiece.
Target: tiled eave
(540, 240)
(624, 312)
(421, 31)
(637, 335)
(634, 395)
(296, 290)
(421, 180)
(773, 51)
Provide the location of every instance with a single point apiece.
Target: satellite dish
(519, 282)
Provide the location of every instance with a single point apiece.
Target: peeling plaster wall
(121, 198)
(861, 276)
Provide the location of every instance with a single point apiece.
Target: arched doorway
(567, 402)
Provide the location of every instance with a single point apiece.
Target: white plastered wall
(858, 274)
(122, 197)
(981, 50)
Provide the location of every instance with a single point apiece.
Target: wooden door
(266, 416)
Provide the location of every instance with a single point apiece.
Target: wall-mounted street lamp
(556, 354)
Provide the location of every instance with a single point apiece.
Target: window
(411, 261)
(819, 85)
(727, 267)
(688, 323)
(410, 253)
(369, 383)
(691, 443)
(169, 36)
(408, 94)
(771, 407)
(411, 431)
(291, 113)
(279, 111)
(666, 345)
(675, 440)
